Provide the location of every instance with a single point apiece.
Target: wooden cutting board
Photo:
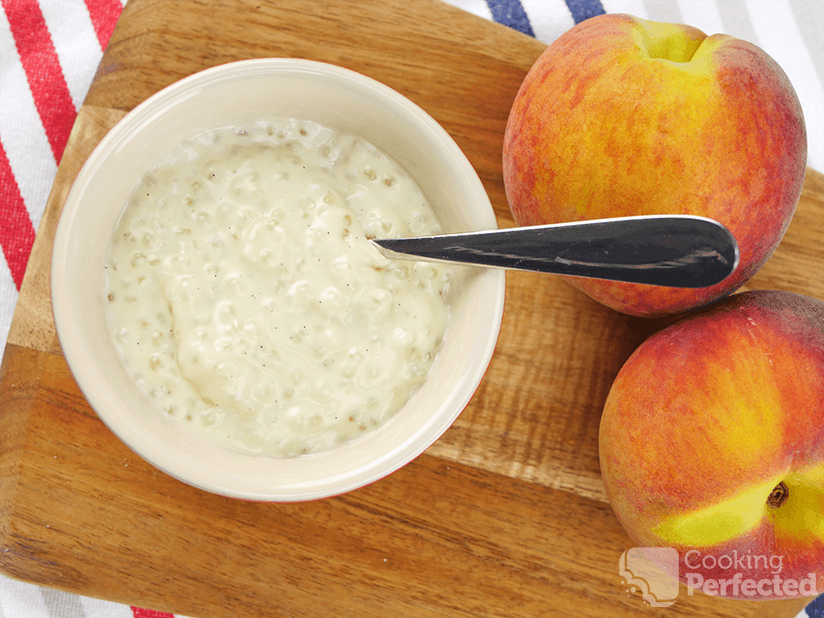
(504, 516)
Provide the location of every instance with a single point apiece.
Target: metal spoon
(670, 250)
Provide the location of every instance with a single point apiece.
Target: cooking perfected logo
(654, 572)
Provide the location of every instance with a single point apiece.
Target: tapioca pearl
(418, 367)
(148, 182)
(403, 336)
(288, 392)
(425, 270)
(245, 186)
(210, 417)
(414, 355)
(400, 395)
(237, 325)
(137, 260)
(227, 346)
(401, 271)
(155, 362)
(322, 391)
(269, 304)
(271, 358)
(265, 258)
(418, 222)
(347, 370)
(112, 267)
(264, 391)
(329, 296)
(198, 335)
(225, 211)
(122, 336)
(379, 228)
(212, 269)
(301, 293)
(178, 230)
(333, 336)
(318, 351)
(276, 217)
(246, 214)
(252, 331)
(234, 285)
(226, 312)
(203, 219)
(226, 370)
(216, 243)
(299, 335)
(329, 153)
(350, 363)
(378, 302)
(306, 417)
(271, 129)
(374, 371)
(147, 240)
(181, 290)
(359, 425)
(330, 198)
(212, 171)
(249, 408)
(342, 269)
(308, 129)
(197, 188)
(178, 263)
(259, 232)
(172, 411)
(299, 267)
(306, 208)
(158, 338)
(290, 152)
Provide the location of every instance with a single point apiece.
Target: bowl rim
(83, 365)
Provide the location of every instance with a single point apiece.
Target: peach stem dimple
(665, 44)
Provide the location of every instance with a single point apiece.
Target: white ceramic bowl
(216, 97)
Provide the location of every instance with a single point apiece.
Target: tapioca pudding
(245, 298)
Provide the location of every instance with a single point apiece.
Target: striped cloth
(50, 49)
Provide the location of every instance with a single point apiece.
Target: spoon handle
(670, 250)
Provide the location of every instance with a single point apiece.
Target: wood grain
(504, 516)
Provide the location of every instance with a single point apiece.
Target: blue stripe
(584, 9)
(816, 608)
(511, 13)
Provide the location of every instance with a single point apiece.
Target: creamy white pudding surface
(245, 298)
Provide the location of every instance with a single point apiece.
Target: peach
(712, 442)
(622, 116)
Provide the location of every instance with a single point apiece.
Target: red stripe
(46, 81)
(104, 14)
(16, 230)
(149, 613)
